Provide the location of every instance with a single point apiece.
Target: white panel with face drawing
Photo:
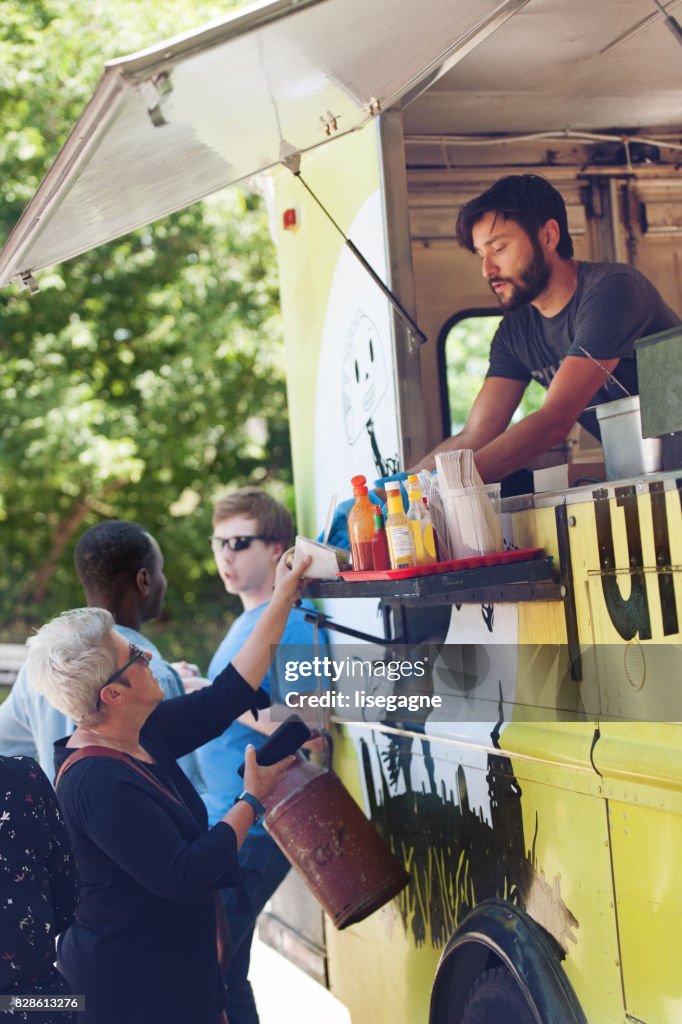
(356, 427)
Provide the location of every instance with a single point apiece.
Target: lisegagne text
(361, 699)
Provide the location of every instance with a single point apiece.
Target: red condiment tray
(501, 558)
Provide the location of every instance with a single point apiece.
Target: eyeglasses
(235, 543)
(135, 655)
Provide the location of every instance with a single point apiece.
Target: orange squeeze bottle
(361, 526)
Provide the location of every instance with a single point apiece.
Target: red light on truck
(290, 219)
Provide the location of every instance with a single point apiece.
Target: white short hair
(70, 658)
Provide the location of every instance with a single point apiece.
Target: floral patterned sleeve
(64, 884)
(38, 884)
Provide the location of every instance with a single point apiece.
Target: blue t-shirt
(220, 758)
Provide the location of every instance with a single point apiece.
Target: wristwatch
(254, 803)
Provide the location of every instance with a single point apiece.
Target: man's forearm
(523, 442)
(450, 444)
(490, 414)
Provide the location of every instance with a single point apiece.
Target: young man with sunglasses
(120, 566)
(250, 532)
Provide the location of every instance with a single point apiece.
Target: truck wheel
(495, 997)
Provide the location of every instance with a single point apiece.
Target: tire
(495, 998)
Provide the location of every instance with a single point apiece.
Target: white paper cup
(326, 559)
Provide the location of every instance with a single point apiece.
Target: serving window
(464, 347)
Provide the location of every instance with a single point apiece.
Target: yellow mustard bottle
(420, 523)
(398, 530)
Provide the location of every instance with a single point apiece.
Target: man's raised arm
(575, 384)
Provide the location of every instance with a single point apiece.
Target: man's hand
(191, 676)
(185, 669)
(575, 384)
(498, 451)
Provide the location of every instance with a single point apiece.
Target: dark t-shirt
(613, 306)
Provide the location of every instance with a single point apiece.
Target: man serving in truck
(557, 310)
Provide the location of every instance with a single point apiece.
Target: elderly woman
(143, 945)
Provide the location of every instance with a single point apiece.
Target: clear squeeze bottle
(361, 526)
(380, 556)
(398, 530)
(420, 523)
(435, 531)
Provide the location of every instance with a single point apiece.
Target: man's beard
(531, 282)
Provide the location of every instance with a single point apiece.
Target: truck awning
(176, 122)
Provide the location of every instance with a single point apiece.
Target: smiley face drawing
(365, 382)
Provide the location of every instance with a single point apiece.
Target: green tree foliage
(145, 375)
(467, 348)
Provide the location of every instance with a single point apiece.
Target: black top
(142, 948)
(613, 305)
(38, 881)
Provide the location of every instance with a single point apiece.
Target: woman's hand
(288, 576)
(260, 780)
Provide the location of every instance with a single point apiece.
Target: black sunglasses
(235, 543)
(135, 655)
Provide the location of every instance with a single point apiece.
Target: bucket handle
(327, 755)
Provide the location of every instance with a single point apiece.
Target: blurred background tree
(467, 347)
(147, 375)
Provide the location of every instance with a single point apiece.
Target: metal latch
(153, 92)
(29, 281)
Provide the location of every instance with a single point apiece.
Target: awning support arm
(294, 166)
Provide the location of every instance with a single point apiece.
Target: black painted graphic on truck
(631, 615)
(457, 854)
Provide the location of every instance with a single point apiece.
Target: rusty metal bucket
(326, 837)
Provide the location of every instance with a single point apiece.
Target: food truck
(541, 825)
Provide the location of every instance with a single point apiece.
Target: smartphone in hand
(285, 740)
